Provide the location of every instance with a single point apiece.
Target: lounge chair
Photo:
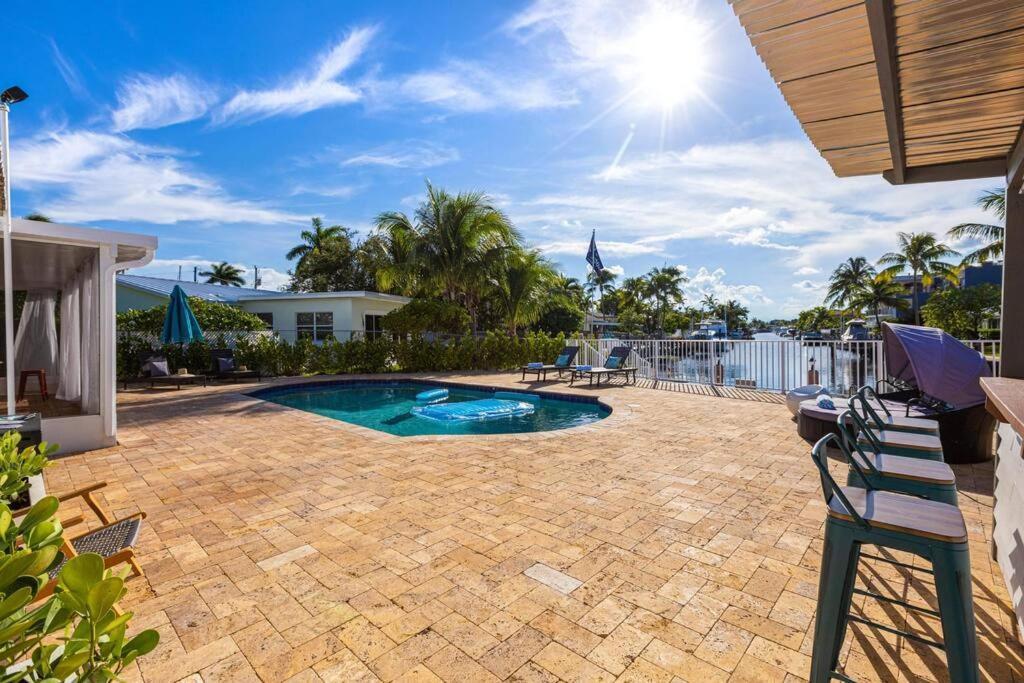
(147, 357)
(564, 363)
(114, 541)
(234, 374)
(615, 364)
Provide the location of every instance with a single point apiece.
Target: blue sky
(223, 127)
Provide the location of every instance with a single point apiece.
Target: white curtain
(79, 338)
(35, 344)
(90, 317)
(71, 340)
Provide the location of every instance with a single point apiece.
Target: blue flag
(594, 258)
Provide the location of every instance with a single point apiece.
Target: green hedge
(272, 356)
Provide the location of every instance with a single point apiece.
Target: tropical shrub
(76, 633)
(427, 315)
(963, 312)
(212, 316)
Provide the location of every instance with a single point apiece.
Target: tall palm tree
(709, 303)
(877, 292)
(392, 255)
(522, 281)
(224, 273)
(921, 253)
(573, 289)
(990, 200)
(601, 282)
(666, 287)
(456, 242)
(847, 279)
(314, 241)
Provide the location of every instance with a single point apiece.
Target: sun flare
(664, 58)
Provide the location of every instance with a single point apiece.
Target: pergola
(915, 90)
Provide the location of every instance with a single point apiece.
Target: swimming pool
(385, 406)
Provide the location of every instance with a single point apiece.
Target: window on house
(316, 326)
(267, 318)
(372, 325)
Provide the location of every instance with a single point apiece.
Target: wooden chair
(114, 541)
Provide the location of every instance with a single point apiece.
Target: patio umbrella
(180, 324)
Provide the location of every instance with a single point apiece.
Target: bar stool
(909, 444)
(40, 376)
(914, 476)
(933, 531)
(897, 423)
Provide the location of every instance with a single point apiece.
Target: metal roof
(230, 295)
(917, 90)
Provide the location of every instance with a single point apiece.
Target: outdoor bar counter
(1005, 400)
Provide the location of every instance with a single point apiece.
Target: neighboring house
(599, 324)
(316, 315)
(971, 276)
(984, 274)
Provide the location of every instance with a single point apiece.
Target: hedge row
(273, 356)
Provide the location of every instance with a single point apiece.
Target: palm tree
(990, 200)
(36, 216)
(877, 292)
(391, 255)
(921, 253)
(456, 242)
(573, 289)
(224, 273)
(523, 281)
(666, 286)
(847, 279)
(602, 282)
(709, 303)
(314, 241)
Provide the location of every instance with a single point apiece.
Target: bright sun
(663, 59)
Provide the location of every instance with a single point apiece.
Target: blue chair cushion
(562, 360)
(156, 368)
(534, 366)
(825, 402)
(226, 364)
(613, 362)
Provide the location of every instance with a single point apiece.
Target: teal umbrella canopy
(180, 324)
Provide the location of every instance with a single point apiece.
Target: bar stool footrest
(894, 601)
(904, 565)
(896, 631)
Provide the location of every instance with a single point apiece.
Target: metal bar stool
(931, 530)
(897, 423)
(914, 476)
(909, 444)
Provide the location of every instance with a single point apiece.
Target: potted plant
(21, 471)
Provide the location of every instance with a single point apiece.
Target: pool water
(385, 407)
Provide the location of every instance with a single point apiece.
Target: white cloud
(463, 86)
(758, 237)
(617, 271)
(336, 191)
(809, 286)
(168, 268)
(68, 71)
(96, 176)
(318, 87)
(411, 154)
(579, 248)
(145, 101)
(713, 282)
(807, 270)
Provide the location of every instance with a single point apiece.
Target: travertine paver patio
(677, 540)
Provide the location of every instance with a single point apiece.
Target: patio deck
(679, 539)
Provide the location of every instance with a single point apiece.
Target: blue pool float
(483, 409)
(517, 396)
(432, 396)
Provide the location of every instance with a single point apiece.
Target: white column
(5, 150)
(108, 341)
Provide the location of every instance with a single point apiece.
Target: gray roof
(230, 295)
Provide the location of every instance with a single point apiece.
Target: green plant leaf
(68, 664)
(40, 512)
(15, 567)
(80, 573)
(143, 643)
(103, 595)
(15, 601)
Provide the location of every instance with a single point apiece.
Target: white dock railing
(768, 365)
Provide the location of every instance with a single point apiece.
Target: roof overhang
(377, 296)
(130, 246)
(915, 90)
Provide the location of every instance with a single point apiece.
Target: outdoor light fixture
(13, 95)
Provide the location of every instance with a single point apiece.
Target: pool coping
(617, 413)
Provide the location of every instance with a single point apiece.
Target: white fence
(768, 365)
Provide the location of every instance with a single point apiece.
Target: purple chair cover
(937, 364)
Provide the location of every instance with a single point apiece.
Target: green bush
(427, 315)
(211, 315)
(77, 633)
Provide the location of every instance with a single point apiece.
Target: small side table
(40, 376)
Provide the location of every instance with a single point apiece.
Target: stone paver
(679, 539)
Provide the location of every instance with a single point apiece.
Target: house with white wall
(317, 315)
